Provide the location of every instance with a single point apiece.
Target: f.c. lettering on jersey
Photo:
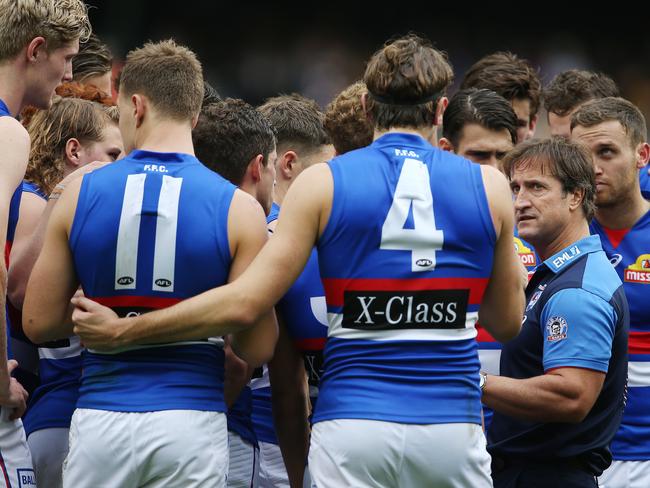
(382, 310)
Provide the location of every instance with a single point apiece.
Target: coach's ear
(445, 144)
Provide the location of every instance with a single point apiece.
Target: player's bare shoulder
(499, 196)
(14, 140)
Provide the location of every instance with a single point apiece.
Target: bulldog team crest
(556, 328)
(639, 271)
(526, 255)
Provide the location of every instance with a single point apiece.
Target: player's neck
(279, 192)
(165, 136)
(428, 133)
(624, 213)
(12, 88)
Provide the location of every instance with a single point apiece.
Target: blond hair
(168, 74)
(58, 21)
(51, 129)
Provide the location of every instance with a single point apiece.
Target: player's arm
(31, 209)
(574, 374)
(30, 234)
(503, 303)
(53, 281)
(237, 305)
(247, 235)
(14, 141)
(290, 400)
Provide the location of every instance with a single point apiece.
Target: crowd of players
(281, 296)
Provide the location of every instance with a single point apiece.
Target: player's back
(405, 259)
(149, 231)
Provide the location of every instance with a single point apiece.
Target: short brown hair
(574, 87)
(406, 79)
(507, 74)
(346, 121)
(561, 158)
(93, 59)
(58, 21)
(228, 135)
(296, 120)
(483, 107)
(168, 74)
(51, 129)
(602, 110)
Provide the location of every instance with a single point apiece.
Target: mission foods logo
(526, 255)
(384, 310)
(639, 272)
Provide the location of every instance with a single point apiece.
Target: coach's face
(542, 208)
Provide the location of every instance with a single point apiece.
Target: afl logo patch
(424, 263)
(162, 282)
(125, 280)
(557, 328)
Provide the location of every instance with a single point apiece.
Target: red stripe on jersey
(135, 301)
(639, 343)
(315, 344)
(334, 287)
(483, 335)
(7, 252)
(3, 467)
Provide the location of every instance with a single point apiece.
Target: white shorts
(273, 473)
(244, 462)
(15, 460)
(49, 449)
(170, 449)
(371, 453)
(626, 474)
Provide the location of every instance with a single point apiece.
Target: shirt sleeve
(578, 330)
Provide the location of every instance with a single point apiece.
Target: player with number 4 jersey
(410, 242)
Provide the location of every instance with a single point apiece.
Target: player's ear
(440, 110)
(532, 125)
(255, 168)
(285, 164)
(72, 148)
(140, 108)
(364, 105)
(35, 47)
(445, 144)
(642, 154)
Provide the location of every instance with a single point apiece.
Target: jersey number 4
(128, 236)
(413, 191)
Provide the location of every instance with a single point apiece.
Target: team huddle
(401, 290)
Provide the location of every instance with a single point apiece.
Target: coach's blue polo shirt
(576, 316)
